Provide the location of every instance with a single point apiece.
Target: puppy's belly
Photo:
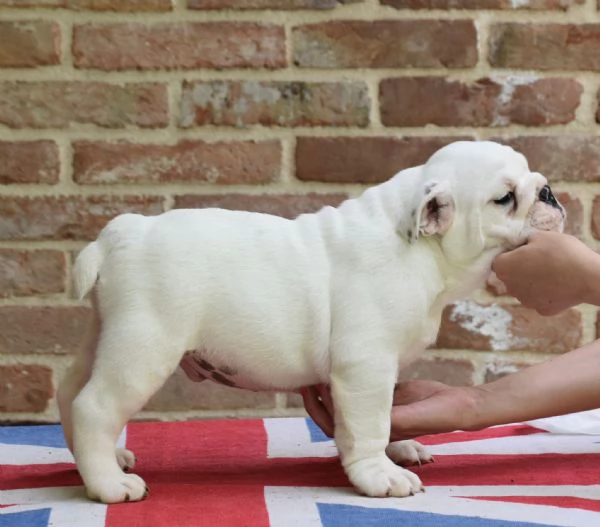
(199, 365)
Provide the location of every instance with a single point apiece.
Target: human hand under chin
(550, 273)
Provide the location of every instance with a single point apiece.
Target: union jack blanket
(285, 473)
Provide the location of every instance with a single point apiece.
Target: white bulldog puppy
(345, 296)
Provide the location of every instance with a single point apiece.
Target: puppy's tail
(86, 268)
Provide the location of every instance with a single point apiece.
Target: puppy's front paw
(379, 477)
(124, 487)
(408, 453)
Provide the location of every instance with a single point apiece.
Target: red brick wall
(281, 106)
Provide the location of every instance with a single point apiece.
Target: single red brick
(596, 218)
(598, 104)
(32, 3)
(27, 273)
(29, 162)
(561, 157)
(542, 46)
(123, 46)
(240, 103)
(25, 388)
(61, 104)
(386, 44)
(224, 163)
(467, 325)
(455, 372)
(180, 393)
(574, 210)
(532, 5)
(286, 205)
(419, 101)
(67, 217)
(131, 6)
(267, 4)
(95, 5)
(29, 43)
(55, 330)
(362, 159)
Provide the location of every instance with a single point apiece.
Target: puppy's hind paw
(408, 453)
(125, 458)
(379, 477)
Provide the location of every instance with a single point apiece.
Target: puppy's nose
(546, 196)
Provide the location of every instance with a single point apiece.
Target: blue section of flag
(352, 516)
(37, 518)
(44, 435)
(316, 434)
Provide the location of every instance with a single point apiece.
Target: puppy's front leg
(362, 396)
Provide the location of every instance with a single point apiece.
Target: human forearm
(569, 383)
(591, 274)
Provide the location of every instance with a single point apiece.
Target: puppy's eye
(505, 200)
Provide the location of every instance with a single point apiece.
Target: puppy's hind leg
(75, 379)
(133, 360)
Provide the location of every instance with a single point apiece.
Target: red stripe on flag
(488, 433)
(180, 461)
(212, 473)
(38, 476)
(514, 469)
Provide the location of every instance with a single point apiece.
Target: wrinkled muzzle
(546, 213)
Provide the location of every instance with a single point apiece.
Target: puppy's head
(477, 196)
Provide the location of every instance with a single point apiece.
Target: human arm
(568, 383)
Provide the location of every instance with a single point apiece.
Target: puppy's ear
(433, 212)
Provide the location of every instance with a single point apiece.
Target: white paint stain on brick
(508, 85)
(489, 321)
(519, 4)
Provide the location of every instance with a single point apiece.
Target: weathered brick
(180, 393)
(596, 218)
(31, 3)
(178, 45)
(362, 159)
(95, 5)
(55, 330)
(419, 101)
(242, 103)
(386, 44)
(498, 369)
(598, 104)
(561, 157)
(225, 163)
(545, 46)
(29, 43)
(286, 205)
(532, 5)
(267, 4)
(25, 388)
(29, 162)
(468, 325)
(574, 210)
(27, 273)
(455, 372)
(67, 217)
(119, 5)
(59, 104)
